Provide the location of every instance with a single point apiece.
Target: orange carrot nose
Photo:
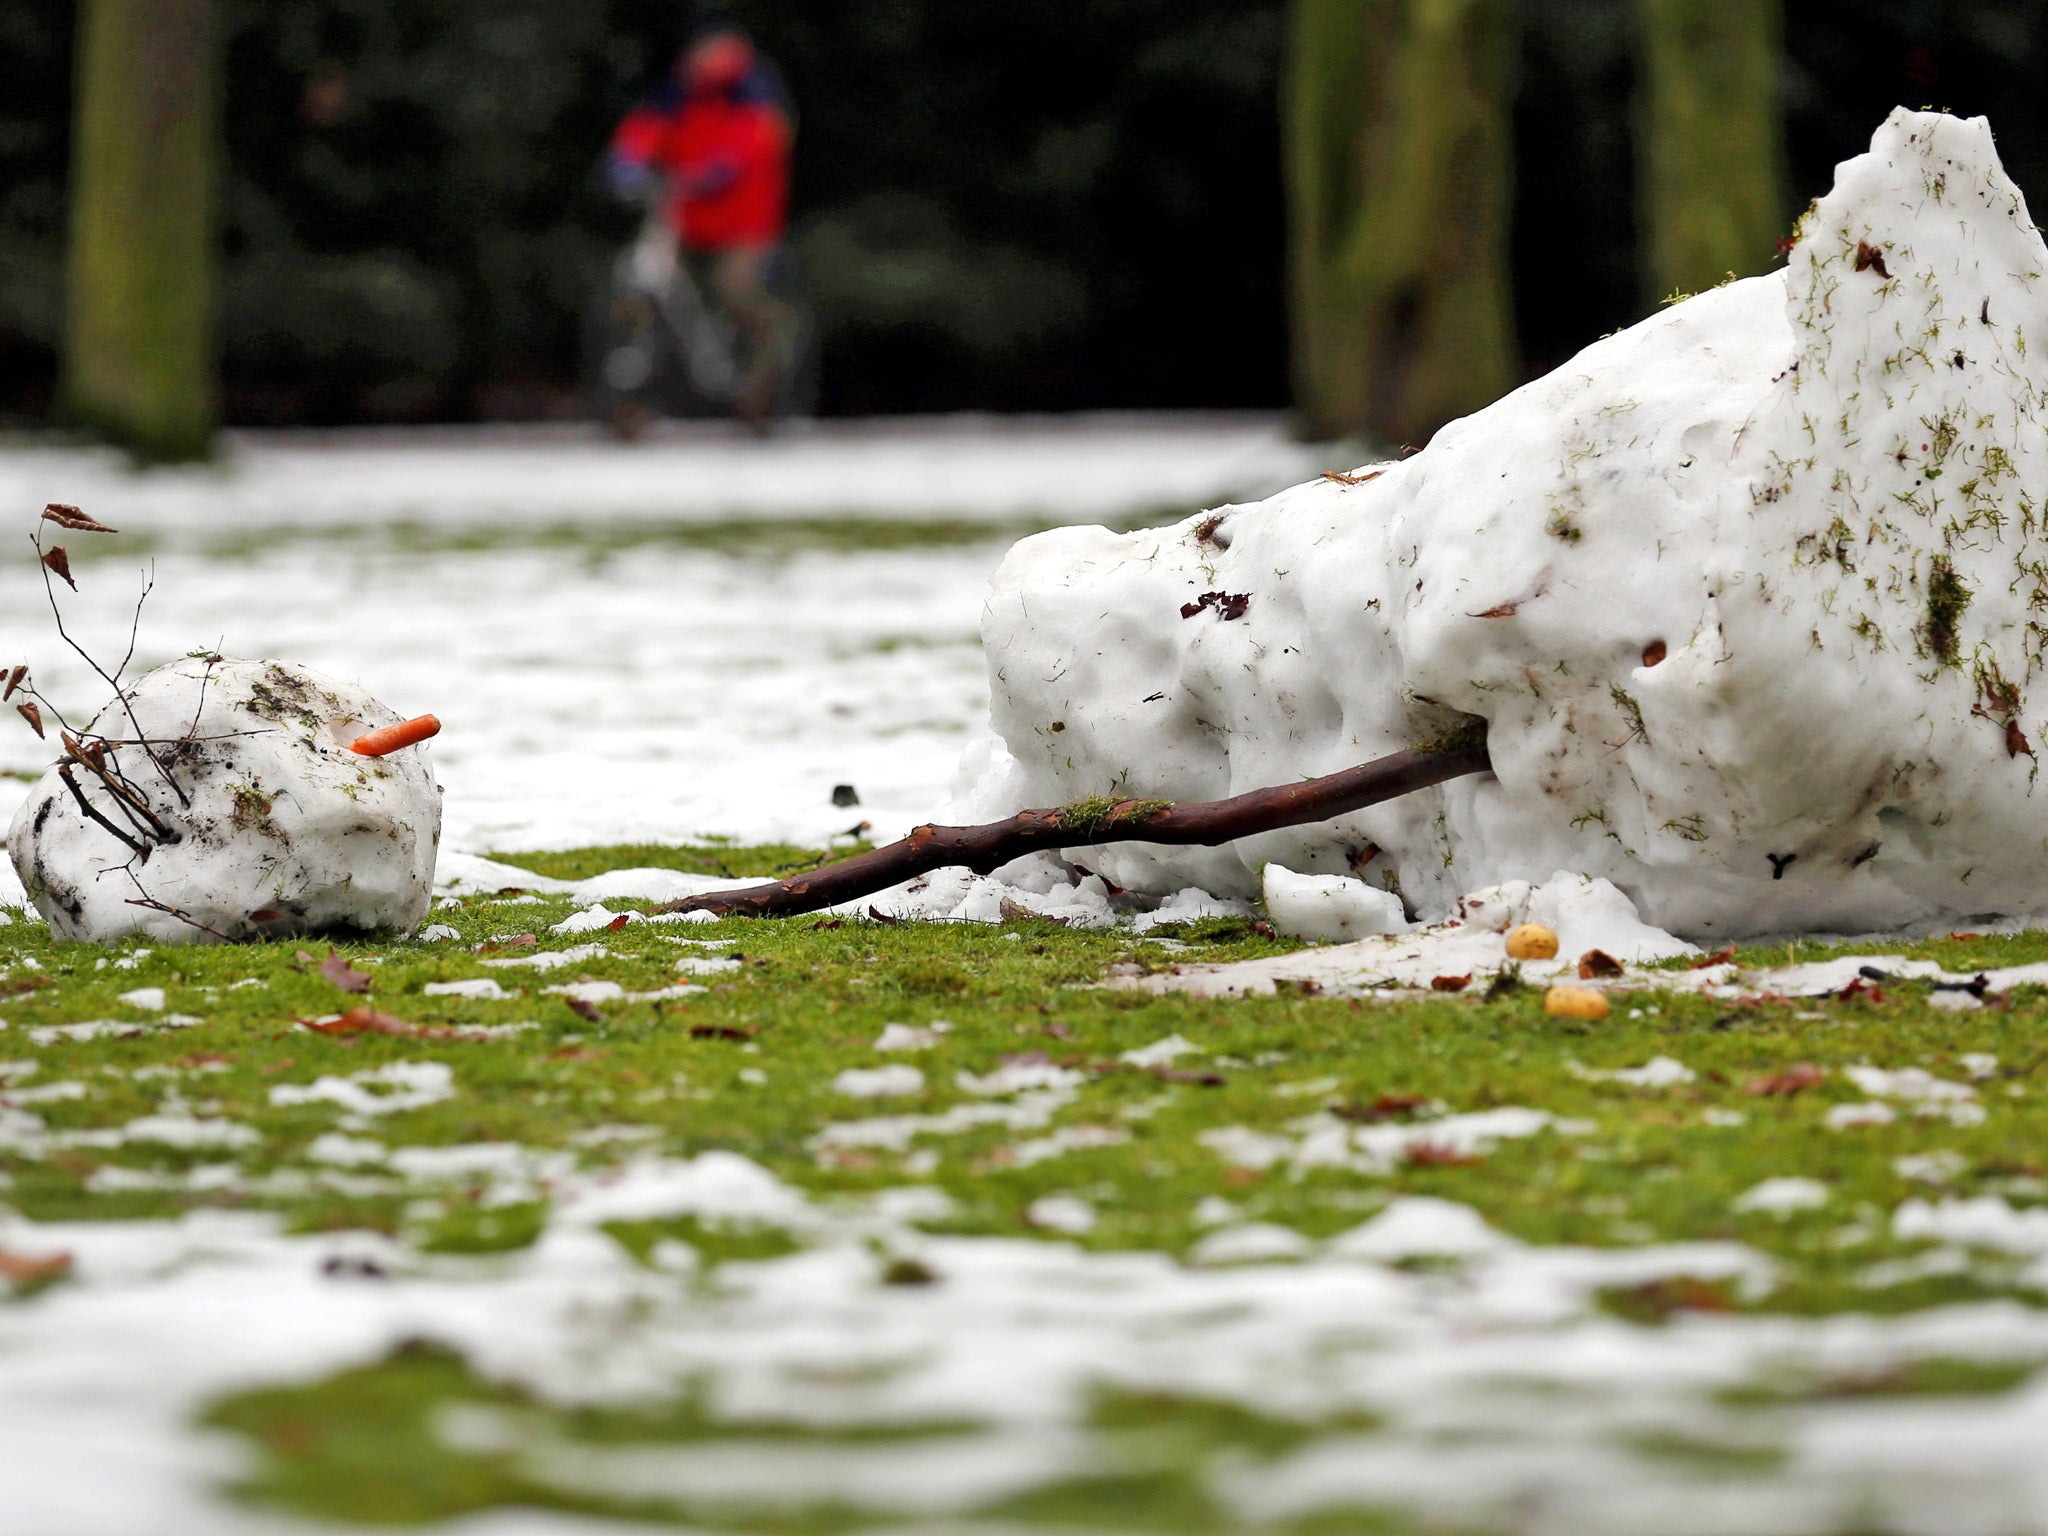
(389, 738)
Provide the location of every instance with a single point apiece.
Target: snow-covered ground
(614, 655)
(617, 658)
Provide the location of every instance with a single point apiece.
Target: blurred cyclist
(718, 134)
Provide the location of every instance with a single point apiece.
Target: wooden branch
(1089, 823)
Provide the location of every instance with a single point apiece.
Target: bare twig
(150, 902)
(93, 813)
(135, 622)
(120, 694)
(1204, 823)
(94, 760)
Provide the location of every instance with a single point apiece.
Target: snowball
(1334, 907)
(280, 828)
(1749, 597)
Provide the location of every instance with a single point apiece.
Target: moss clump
(1466, 734)
(1947, 596)
(1631, 711)
(252, 808)
(1097, 814)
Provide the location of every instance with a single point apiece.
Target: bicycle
(660, 343)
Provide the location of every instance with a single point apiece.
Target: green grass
(748, 1065)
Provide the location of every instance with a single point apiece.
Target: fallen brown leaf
(33, 1268)
(1597, 963)
(1433, 1154)
(1870, 258)
(1388, 1106)
(1782, 1085)
(1655, 1300)
(369, 1021)
(1718, 957)
(336, 968)
(1450, 983)
(584, 1009)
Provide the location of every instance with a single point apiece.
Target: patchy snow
(1781, 1197)
(908, 1037)
(524, 587)
(1160, 1052)
(161, 1317)
(1930, 1095)
(378, 1091)
(1255, 1242)
(479, 988)
(895, 1081)
(1061, 1213)
(1657, 1072)
(1333, 908)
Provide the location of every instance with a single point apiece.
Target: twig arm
(1201, 822)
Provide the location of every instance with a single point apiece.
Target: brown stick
(985, 848)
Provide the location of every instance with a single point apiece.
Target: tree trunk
(1712, 145)
(1399, 160)
(139, 351)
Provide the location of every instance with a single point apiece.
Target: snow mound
(1748, 597)
(279, 828)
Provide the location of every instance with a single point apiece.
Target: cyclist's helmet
(718, 61)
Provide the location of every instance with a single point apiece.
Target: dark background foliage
(1065, 205)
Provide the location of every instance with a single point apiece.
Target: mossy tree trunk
(1712, 144)
(1399, 169)
(138, 348)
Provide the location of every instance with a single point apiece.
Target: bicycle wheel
(629, 363)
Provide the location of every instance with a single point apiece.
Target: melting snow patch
(1061, 1213)
(1256, 1242)
(481, 988)
(1781, 1197)
(381, 1091)
(1332, 908)
(181, 1130)
(1984, 1222)
(1068, 1138)
(94, 1029)
(891, 1082)
(905, 1037)
(1933, 1096)
(553, 959)
(1018, 1077)
(345, 1151)
(1657, 1072)
(1160, 1052)
(150, 999)
(588, 991)
(1843, 1117)
(1931, 1167)
(1418, 1227)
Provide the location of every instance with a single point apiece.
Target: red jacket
(726, 157)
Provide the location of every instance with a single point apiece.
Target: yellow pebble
(1532, 941)
(1575, 1003)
